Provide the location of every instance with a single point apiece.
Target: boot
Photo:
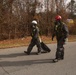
(55, 60)
(38, 53)
(27, 52)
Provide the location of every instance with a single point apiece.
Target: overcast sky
(65, 0)
(69, 1)
(42, 1)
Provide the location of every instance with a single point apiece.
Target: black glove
(52, 38)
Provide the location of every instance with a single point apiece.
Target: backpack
(59, 29)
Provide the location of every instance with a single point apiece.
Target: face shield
(33, 25)
(57, 22)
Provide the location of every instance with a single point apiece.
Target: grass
(25, 41)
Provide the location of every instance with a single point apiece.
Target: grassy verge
(26, 41)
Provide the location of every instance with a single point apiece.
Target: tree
(71, 7)
(16, 16)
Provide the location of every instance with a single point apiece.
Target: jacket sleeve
(66, 31)
(36, 33)
(53, 32)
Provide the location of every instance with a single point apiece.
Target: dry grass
(26, 41)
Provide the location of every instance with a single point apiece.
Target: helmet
(34, 22)
(58, 17)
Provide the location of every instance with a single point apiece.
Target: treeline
(16, 15)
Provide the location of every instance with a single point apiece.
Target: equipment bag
(45, 47)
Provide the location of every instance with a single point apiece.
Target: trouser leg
(62, 53)
(38, 46)
(30, 46)
(60, 50)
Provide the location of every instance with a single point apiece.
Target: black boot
(62, 58)
(38, 53)
(55, 60)
(27, 52)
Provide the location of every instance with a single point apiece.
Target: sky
(65, 0)
(42, 2)
(68, 1)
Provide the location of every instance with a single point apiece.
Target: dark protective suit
(35, 40)
(61, 33)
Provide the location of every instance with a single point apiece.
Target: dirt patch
(26, 40)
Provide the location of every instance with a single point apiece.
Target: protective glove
(52, 38)
(40, 39)
(66, 40)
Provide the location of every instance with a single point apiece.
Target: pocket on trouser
(58, 54)
(62, 53)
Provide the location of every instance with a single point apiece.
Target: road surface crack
(4, 70)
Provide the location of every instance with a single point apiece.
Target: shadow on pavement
(24, 63)
(18, 54)
(12, 55)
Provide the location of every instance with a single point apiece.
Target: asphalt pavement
(13, 61)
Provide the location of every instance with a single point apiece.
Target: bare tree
(16, 16)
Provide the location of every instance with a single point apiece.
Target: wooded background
(16, 16)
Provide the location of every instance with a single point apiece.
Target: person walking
(35, 38)
(61, 32)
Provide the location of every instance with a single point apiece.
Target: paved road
(14, 62)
